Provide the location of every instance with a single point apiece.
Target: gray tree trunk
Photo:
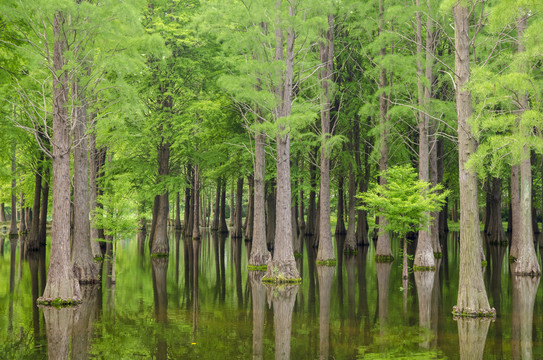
(237, 231)
(160, 243)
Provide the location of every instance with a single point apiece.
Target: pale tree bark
(326, 249)
(383, 249)
(424, 281)
(283, 299)
(424, 255)
(249, 220)
(472, 298)
(61, 283)
(283, 265)
(85, 269)
(472, 337)
(526, 259)
(259, 251)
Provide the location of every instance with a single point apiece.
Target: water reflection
(424, 281)
(84, 315)
(472, 337)
(383, 279)
(159, 269)
(524, 293)
(258, 292)
(283, 298)
(325, 275)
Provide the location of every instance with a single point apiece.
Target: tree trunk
(271, 195)
(350, 239)
(33, 241)
(85, 269)
(259, 252)
(2, 213)
(362, 228)
(494, 228)
(94, 170)
(311, 210)
(283, 265)
(249, 220)
(22, 212)
(515, 212)
(326, 248)
(187, 216)
(217, 208)
(196, 202)
(42, 235)
(13, 223)
(154, 218)
(177, 212)
(223, 228)
(258, 291)
(61, 283)
(237, 231)
(472, 298)
(340, 224)
(160, 241)
(383, 249)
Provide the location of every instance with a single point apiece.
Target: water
(202, 303)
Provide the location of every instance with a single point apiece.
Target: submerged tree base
(282, 272)
(331, 262)
(472, 313)
(384, 258)
(424, 268)
(58, 302)
(257, 267)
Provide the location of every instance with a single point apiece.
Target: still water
(201, 303)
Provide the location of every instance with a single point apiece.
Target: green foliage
(404, 200)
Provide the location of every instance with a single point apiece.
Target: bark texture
(160, 244)
(472, 337)
(325, 275)
(472, 298)
(237, 231)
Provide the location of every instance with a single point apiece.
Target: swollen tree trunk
(259, 251)
(61, 283)
(85, 269)
(282, 268)
(33, 241)
(326, 248)
(383, 250)
(237, 231)
(472, 298)
(526, 259)
(160, 241)
(196, 203)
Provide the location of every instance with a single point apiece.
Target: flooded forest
(298, 179)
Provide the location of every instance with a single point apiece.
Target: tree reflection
(82, 329)
(363, 309)
(58, 324)
(524, 292)
(383, 279)
(159, 268)
(283, 298)
(424, 281)
(33, 258)
(195, 256)
(325, 275)
(472, 337)
(258, 291)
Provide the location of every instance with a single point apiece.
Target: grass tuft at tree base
(58, 302)
(438, 255)
(484, 263)
(471, 313)
(424, 268)
(331, 262)
(298, 255)
(279, 280)
(384, 258)
(257, 267)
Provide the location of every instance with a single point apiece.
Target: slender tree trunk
(196, 202)
(259, 252)
(249, 220)
(187, 216)
(515, 212)
(311, 210)
(42, 235)
(362, 228)
(85, 269)
(472, 298)
(494, 228)
(383, 249)
(156, 203)
(160, 243)
(61, 283)
(22, 214)
(340, 224)
(350, 240)
(2, 213)
(13, 223)
(33, 241)
(223, 228)
(93, 192)
(177, 212)
(326, 248)
(271, 195)
(217, 208)
(237, 231)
